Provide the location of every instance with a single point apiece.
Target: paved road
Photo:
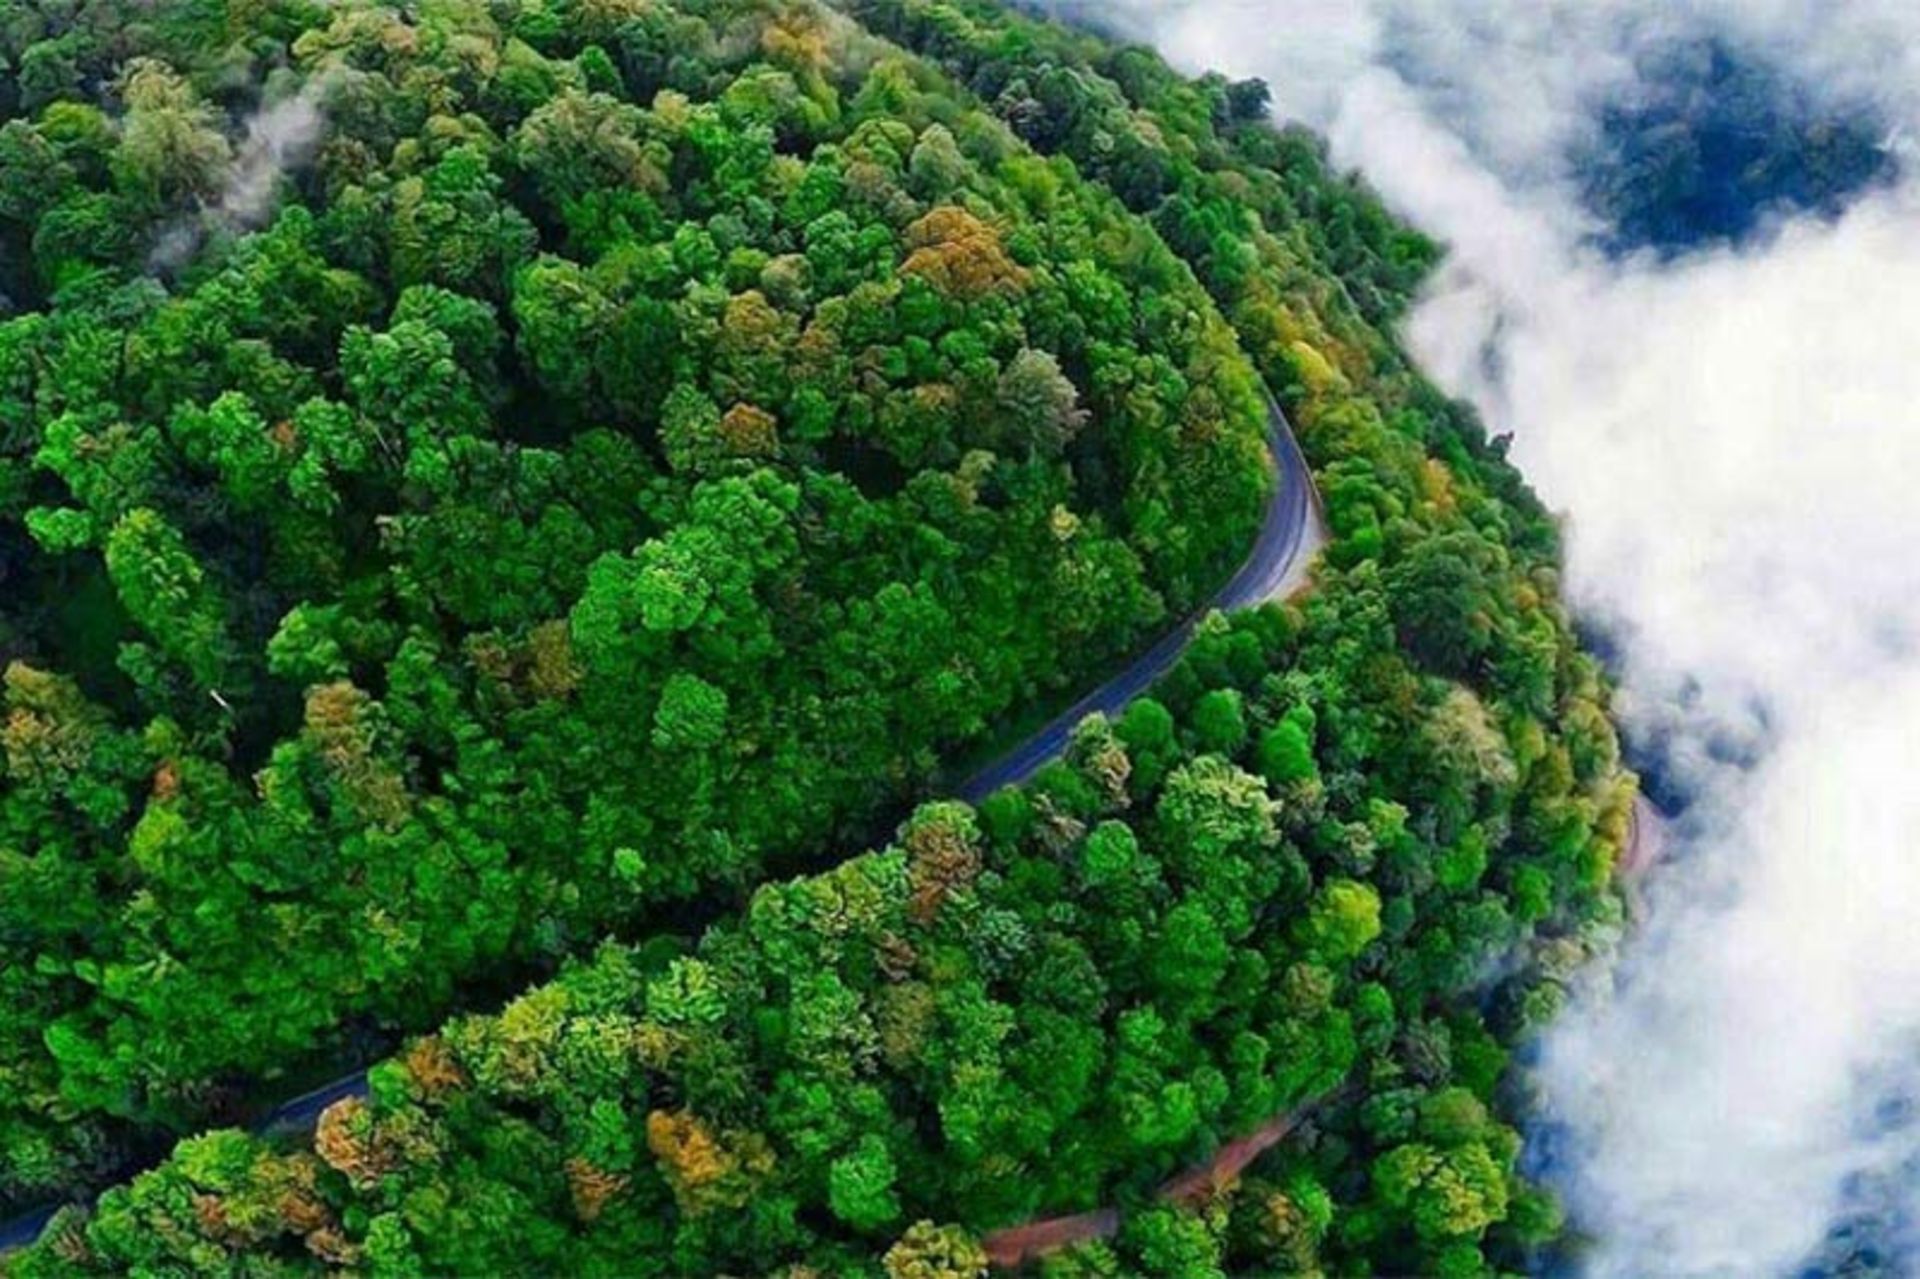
(1289, 535)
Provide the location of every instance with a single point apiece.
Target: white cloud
(1735, 441)
(280, 137)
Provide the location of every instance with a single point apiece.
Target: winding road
(1274, 568)
(1277, 565)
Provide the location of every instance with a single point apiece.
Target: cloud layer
(1734, 439)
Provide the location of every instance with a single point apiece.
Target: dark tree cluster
(1710, 143)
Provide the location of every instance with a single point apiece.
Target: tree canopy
(628, 446)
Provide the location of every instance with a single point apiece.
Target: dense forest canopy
(610, 463)
(486, 485)
(1206, 915)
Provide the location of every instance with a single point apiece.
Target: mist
(277, 138)
(1733, 438)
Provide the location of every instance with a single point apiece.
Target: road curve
(1289, 534)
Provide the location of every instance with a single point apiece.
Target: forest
(572, 506)
(519, 495)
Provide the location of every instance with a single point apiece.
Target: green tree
(861, 1185)
(166, 591)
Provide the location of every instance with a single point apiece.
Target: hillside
(553, 508)
(485, 479)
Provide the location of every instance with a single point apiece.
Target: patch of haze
(1735, 439)
(279, 138)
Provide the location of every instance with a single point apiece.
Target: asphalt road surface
(1277, 564)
